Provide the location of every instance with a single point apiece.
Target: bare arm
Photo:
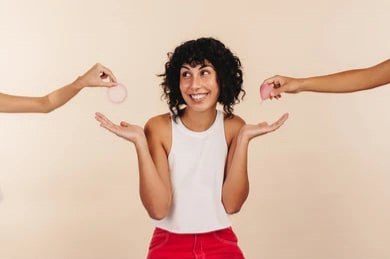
(342, 82)
(236, 186)
(93, 77)
(155, 183)
(155, 190)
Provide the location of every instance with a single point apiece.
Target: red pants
(220, 244)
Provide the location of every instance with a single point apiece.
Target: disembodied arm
(341, 82)
(97, 76)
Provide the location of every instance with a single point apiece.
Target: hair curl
(197, 52)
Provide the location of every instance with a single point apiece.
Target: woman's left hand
(251, 131)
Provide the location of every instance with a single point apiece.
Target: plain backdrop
(319, 185)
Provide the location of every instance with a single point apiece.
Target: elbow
(158, 214)
(232, 209)
(47, 110)
(45, 105)
(157, 207)
(233, 205)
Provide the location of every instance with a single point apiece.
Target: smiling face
(199, 86)
(183, 80)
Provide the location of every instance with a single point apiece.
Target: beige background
(319, 186)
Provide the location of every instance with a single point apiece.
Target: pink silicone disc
(117, 94)
(265, 91)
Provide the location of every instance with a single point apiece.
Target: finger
(107, 84)
(109, 128)
(271, 80)
(277, 91)
(263, 124)
(103, 122)
(103, 118)
(274, 126)
(125, 124)
(283, 118)
(100, 115)
(279, 122)
(276, 83)
(106, 123)
(109, 73)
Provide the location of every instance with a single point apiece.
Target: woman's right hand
(132, 133)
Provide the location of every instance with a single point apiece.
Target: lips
(198, 97)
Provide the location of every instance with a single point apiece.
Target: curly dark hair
(197, 52)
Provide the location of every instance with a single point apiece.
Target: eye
(204, 72)
(185, 74)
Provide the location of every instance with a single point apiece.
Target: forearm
(349, 81)
(15, 104)
(154, 194)
(62, 95)
(236, 185)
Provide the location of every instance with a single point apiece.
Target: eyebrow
(206, 65)
(202, 66)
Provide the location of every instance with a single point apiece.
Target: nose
(195, 82)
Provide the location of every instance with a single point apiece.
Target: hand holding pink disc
(117, 94)
(265, 91)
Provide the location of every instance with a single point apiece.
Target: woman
(193, 162)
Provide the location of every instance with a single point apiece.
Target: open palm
(124, 130)
(252, 131)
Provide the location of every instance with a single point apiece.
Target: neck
(198, 121)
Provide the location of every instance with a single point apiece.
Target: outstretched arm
(236, 185)
(97, 76)
(342, 82)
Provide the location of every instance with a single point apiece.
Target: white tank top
(196, 165)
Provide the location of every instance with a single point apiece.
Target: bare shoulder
(158, 130)
(232, 127)
(158, 123)
(235, 121)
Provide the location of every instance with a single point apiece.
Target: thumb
(107, 84)
(125, 124)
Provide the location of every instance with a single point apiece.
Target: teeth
(198, 96)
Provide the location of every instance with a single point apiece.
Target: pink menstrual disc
(265, 91)
(117, 94)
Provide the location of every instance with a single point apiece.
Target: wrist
(140, 142)
(79, 83)
(243, 137)
(304, 84)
